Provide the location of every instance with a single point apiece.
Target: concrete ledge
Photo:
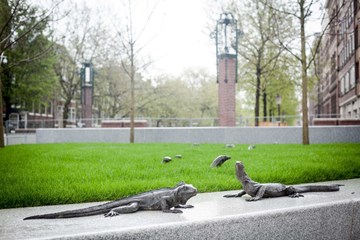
(250, 135)
(331, 215)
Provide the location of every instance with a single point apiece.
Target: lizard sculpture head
(184, 192)
(239, 165)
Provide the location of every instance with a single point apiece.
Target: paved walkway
(208, 207)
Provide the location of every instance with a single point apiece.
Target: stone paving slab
(330, 215)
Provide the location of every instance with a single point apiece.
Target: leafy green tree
(5, 32)
(23, 39)
(31, 82)
(258, 50)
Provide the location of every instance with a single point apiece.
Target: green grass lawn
(44, 174)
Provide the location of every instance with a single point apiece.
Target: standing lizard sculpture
(161, 199)
(258, 191)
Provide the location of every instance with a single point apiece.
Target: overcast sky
(178, 32)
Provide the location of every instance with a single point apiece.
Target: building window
(351, 13)
(343, 111)
(48, 108)
(42, 109)
(342, 27)
(341, 57)
(72, 114)
(352, 43)
(342, 86)
(352, 77)
(346, 82)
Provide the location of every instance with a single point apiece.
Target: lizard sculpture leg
(259, 194)
(166, 206)
(184, 206)
(292, 192)
(240, 194)
(130, 208)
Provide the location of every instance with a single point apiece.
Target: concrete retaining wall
(250, 135)
(328, 221)
(12, 139)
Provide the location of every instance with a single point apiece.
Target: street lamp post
(87, 92)
(3, 60)
(278, 102)
(226, 35)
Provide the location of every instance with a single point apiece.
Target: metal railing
(12, 126)
(29, 126)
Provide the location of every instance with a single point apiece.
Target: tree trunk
(5, 32)
(257, 96)
(7, 108)
(2, 140)
(7, 93)
(305, 128)
(132, 93)
(265, 105)
(66, 112)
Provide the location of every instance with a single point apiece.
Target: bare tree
(302, 10)
(131, 49)
(79, 44)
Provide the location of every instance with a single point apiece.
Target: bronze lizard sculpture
(219, 160)
(258, 191)
(161, 199)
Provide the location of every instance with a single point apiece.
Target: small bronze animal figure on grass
(218, 161)
(258, 191)
(230, 145)
(251, 147)
(166, 159)
(164, 199)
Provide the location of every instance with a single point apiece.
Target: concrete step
(326, 215)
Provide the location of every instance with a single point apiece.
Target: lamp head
(3, 59)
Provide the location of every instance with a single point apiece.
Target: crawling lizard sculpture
(164, 199)
(258, 191)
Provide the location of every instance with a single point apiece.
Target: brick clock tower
(227, 35)
(87, 92)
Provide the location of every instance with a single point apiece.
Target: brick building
(42, 115)
(338, 91)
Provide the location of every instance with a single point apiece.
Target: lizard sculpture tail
(317, 188)
(100, 209)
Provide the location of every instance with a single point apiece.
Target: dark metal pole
(279, 115)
